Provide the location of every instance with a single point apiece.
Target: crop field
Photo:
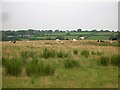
(60, 64)
(75, 35)
(99, 38)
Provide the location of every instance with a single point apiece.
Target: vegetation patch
(62, 54)
(35, 68)
(104, 61)
(85, 53)
(13, 67)
(75, 52)
(115, 60)
(27, 54)
(47, 53)
(70, 63)
(93, 53)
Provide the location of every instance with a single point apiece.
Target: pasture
(60, 64)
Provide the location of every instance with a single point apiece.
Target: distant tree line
(25, 34)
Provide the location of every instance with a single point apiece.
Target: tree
(57, 30)
(101, 30)
(49, 31)
(107, 31)
(79, 30)
(94, 30)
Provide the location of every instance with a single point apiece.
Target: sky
(59, 14)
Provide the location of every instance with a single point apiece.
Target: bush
(75, 52)
(71, 63)
(85, 53)
(115, 60)
(48, 53)
(104, 60)
(13, 67)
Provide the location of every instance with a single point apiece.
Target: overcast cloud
(60, 15)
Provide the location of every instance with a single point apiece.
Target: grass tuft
(85, 53)
(104, 60)
(61, 54)
(47, 53)
(93, 53)
(70, 63)
(115, 60)
(13, 67)
(75, 52)
(35, 68)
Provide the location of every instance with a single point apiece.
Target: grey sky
(60, 15)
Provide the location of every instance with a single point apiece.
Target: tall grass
(33, 68)
(104, 60)
(115, 60)
(62, 54)
(27, 54)
(99, 53)
(70, 63)
(85, 53)
(48, 69)
(39, 68)
(93, 53)
(13, 67)
(75, 52)
(47, 53)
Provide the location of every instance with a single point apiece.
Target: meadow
(52, 64)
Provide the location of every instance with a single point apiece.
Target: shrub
(85, 53)
(71, 63)
(48, 53)
(115, 60)
(75, 51)
(104, 60)
(13, 67)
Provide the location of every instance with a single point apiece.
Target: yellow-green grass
(87, 75)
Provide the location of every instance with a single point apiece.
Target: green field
(98, 38)
(76, 35)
